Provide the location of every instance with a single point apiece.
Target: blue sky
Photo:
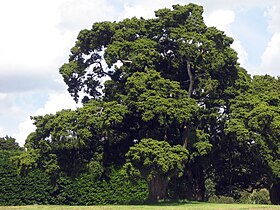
(253, 25)
(37, 35)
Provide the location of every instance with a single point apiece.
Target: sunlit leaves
(158, 98)
(155, 158)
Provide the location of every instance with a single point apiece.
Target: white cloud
(144, 8)
(25, 128)
(242, 53)
(270, 58)
(77, 15)
(136, 11)
(36, 36)
(273, 15)
(2, 133)
(28, 36)
(3, 96)
(220, 19)
(7, 105)
(55, 102)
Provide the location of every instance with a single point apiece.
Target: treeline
(168, 114)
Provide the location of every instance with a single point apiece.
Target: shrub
(210, 188)
(245, 197)
(260, 197)
(256, 197)
(34, 188)
(221, 199)
(87, 190)
(37, 187)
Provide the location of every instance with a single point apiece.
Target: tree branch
(191, 79)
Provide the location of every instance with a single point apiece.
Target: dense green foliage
(255, 119)
(38, 187)
(157, 162)
(255, 123)
(87, 190)
(17, 190)
(151, 158)
(163, 98)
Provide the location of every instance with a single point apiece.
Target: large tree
(178, 45)
(169, 78)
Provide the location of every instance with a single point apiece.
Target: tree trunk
(186, 131)
(195, 177)
(157, 188)
(185, 137)
(196, 183)
(190, 186)
(274, 193)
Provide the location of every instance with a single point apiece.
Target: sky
(36, 37)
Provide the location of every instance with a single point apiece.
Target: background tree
(254, 121)
(9, 143)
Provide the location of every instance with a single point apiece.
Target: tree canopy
(255, 120)
(157, 162)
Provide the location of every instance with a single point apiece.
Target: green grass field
(175, 206)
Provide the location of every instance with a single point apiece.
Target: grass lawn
(175, 206)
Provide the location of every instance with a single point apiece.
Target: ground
(172, 206)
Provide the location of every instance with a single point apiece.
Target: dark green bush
(37, 187)
(86, 190)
